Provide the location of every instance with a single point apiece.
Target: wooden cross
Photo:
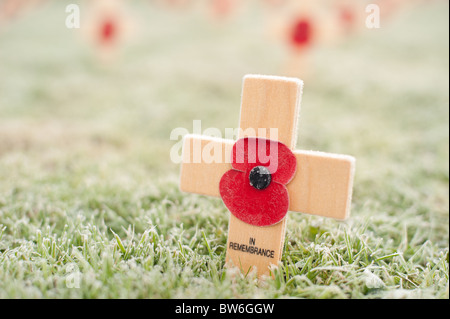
(222, 10)
(175, 4)
(13, 9)
(322, 184)
(351, 16)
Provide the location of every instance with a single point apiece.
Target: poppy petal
(252, 206)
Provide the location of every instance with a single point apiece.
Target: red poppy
(254, 189)
(301, 33)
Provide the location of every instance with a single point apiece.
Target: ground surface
(88, 191)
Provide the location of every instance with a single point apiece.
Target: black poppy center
(260, 177)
